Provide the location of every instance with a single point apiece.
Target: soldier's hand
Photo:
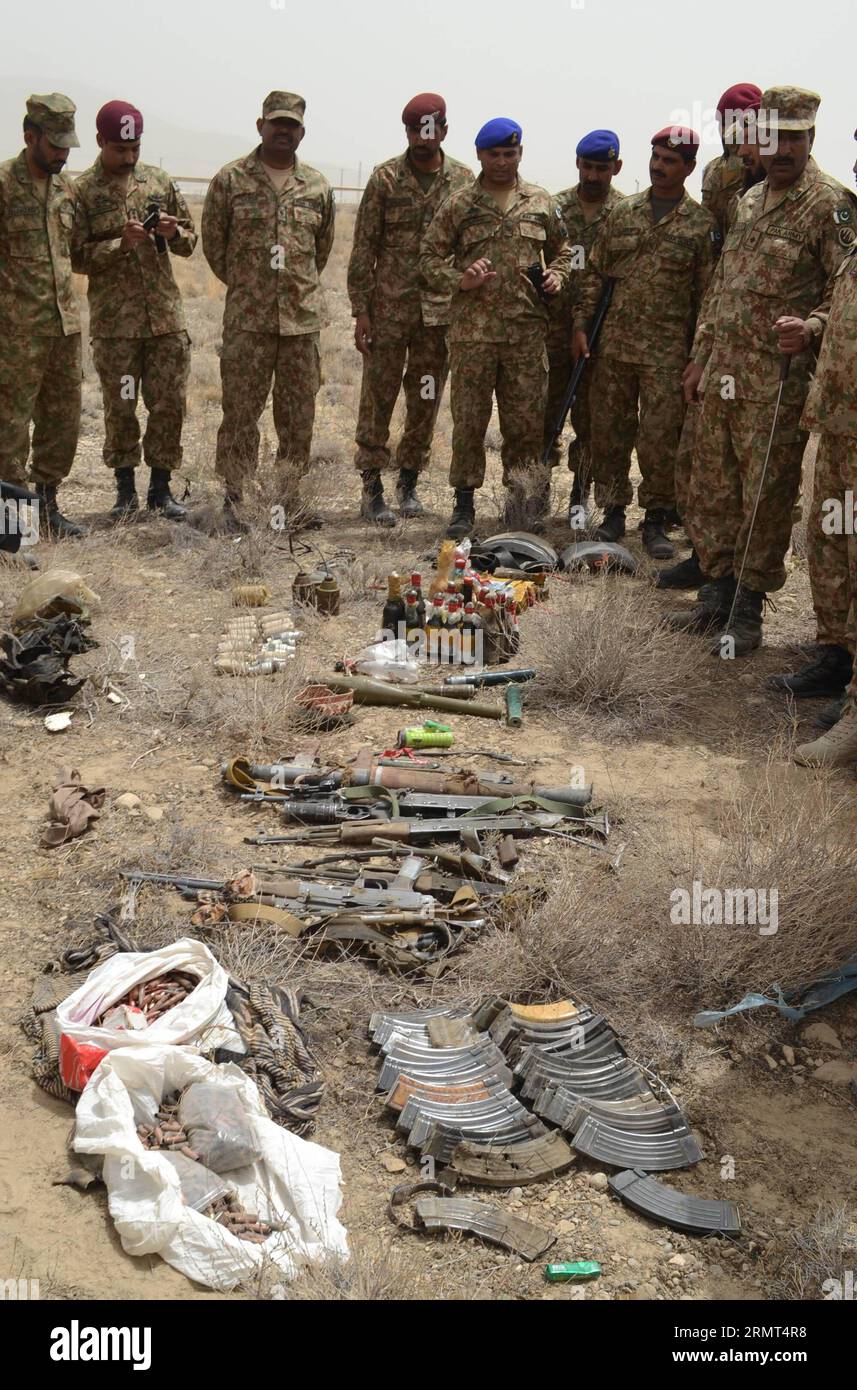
(551, 283)
(579, 345)
(690, 383)
(363, 334)
(477, 275)
(793, 335)
(168, 226)
(133, 235)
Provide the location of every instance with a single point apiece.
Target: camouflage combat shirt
(662, 271)
(470, 225)
(384, 270)
(37, 297)
(581, 236)
(831, 405)
(132, 294)
(722, 179)
(269, 248)
(774, 263)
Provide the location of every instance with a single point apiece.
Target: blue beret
(599, 144)
(500, 131)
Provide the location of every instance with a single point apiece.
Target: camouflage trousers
(560, 367)
(40, 381)
(418, 363)
(249, 363)
(638, 404)
(731, 443)
(156, 369)
(517, 374)
(684, 459)
(832, 548)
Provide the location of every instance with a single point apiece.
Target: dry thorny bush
(614, 658)
(803, 1261)
(608, 937)
(377, 1271)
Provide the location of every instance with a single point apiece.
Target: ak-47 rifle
(580, 366)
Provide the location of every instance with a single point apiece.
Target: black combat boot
(655, 539)
(160, 499)
(712, 610)
(126, 494)
(744, 633)
(672, 519)
(51, 520)
(612, 527)
(463, 517)
(372, 505)
(829, 674)
(687, 574)
(409, 504)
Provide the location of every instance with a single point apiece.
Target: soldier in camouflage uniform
(479, 248)
(267, 233)
(400, 326)
(722, 187)
(140, 343)
(723, 177)
(40, 355)
(831, 409)
(789, 235)
(583, 209)
(659, 247)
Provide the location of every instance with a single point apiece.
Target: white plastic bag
(295, 1183)
(214, 1121)
(201, 1020)
(199, 1185)
(389, 661)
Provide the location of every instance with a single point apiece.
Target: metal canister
(318, 590)
(305, 587)
(328, 597)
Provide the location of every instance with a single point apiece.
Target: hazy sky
(559, 67)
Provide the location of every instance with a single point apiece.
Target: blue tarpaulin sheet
(813, 996)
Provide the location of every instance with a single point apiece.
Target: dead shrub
(249, 715)
(376, 1271)
(565, 939)
(783, 836)
(610, 937)
(824, 1249)
(598, 646)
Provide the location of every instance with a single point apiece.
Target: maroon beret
(426, 104)
(677, 137)
(744, 96)
(119, 120)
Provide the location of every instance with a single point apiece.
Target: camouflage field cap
(54, 113)
(280, 106)
(788, 108)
